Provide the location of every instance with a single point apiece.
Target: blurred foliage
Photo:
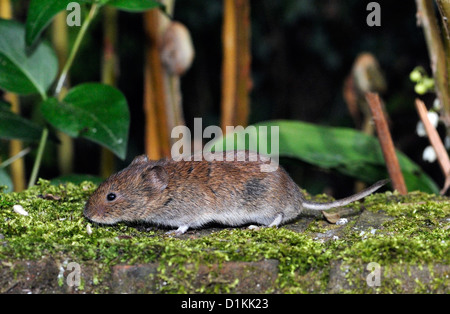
(97, 112)
(344, 150)
(302, 51)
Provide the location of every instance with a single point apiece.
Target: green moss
(56, 227)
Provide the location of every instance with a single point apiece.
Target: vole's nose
(87, 212)
(94, 211)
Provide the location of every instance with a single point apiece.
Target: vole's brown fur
(190, 194)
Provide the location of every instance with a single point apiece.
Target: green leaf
(5, 180)
(20, 72)
(135, 5)
(40, 14)
(345, 150)
(13, 126)
(94, 111)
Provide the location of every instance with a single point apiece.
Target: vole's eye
(111, 197)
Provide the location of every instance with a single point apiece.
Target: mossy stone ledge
(405, 237)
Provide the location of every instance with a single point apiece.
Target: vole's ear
(139, 160)
(157, 176)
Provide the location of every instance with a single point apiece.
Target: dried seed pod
(177, 50)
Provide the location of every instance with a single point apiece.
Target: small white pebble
(19, 209)
(88, 229)
(342, 221)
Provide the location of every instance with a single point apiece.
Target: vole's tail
(344, 201)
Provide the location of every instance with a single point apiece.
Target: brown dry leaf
(52, 197)
(124, 236)
(332, 218)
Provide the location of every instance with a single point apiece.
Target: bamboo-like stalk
(152, 144)
(109, 75)
(229, 64)
(438, 57)
(387, 145)
(157, 86)
(5, 9)
(15, 146)
(157, 92)
(60, 42)
(444, 10)
(236, 82)
(243, 79)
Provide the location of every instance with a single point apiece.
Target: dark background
(302, 50)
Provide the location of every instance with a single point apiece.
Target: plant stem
(76, 45)
(109, 75)
(37, 163)
(155, 92)
(387, 145)
(436, 51)
(38, 159)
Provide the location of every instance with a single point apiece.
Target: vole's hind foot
(275, 223)
(179, 231)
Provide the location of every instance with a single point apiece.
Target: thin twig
(436, 143)
(12, 159)
(387, 146)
